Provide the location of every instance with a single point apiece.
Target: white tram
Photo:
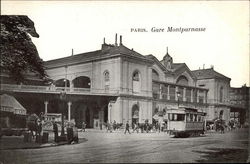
(185, 122)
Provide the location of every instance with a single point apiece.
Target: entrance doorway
(106, 114)
(135, 114)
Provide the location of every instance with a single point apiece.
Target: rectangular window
(180, 117)
(191, 117)
(187, 117)
(195, 117)
(199, 118)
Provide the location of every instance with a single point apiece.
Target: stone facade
(218, 94)
(119, 84)
(141, 84)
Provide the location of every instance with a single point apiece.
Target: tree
(18, 53)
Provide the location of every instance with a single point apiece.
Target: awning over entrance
(10, 104)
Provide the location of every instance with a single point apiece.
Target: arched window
(221, 94)
(136, 82)
(81, 82)
(155, 75)
(136, 76)
(62, 83)
(106, 76)
(182, 80)
(106, 79)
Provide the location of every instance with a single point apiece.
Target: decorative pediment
(183, 70)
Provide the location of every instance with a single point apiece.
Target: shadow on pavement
(225, 155)
(11, 143)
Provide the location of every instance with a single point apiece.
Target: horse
(32, 124)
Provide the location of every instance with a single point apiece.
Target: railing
(25, 88)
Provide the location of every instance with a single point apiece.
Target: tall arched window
(136, 82)
(155, 75)
(182, 80)
(106, 80)
(221, 94)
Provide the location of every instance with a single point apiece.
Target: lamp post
(63, 97)
(178, 95)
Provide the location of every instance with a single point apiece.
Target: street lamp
(178, 95)
(63, 97)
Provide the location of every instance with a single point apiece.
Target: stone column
(168, 96)
(69, 110)
(160, 94)
(184, 94)
(176, 90)
(204, 98)
(197, 96)
(71, 85)
(46, 107)
(192, 97)
(109, 112)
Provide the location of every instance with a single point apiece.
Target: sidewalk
(17, 142)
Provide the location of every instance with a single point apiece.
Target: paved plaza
(99, 146)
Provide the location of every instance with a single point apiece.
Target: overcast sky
(63, 25)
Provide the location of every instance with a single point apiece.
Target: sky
(82, 25)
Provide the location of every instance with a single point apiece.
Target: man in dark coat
(55, 129)
(127, 128)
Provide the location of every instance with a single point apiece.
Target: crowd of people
(135, 127)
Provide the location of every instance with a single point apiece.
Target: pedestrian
(111, 127)
(135, 127)
(114, 125)
(100, 125)
(55, 129)
(127, 128)
(83, 126)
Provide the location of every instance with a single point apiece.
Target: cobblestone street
(100, 146)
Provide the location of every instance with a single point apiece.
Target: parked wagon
(185, 122)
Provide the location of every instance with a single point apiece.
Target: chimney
(104, 40)
(120, 39)
(115, 39)
(212, 66)
(203, 66)
(72, 52)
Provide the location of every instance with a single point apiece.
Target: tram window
(195, 117)
(175, 117)
(191, 117)
(199, 118)
(188, 117)
(180, 117)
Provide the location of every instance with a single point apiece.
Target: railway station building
(118, 84)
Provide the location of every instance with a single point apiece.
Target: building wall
(215, 105)
(128, 68)
(121, 109)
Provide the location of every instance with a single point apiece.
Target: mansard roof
(152, 57)
(179, 68)
(209, 73)
(107, 51)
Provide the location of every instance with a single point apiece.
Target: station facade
(119, 84)
(140, 86)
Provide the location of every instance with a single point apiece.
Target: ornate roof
(209, 74)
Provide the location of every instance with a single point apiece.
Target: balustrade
(187, 94)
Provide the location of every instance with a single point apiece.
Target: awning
(10, 104)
